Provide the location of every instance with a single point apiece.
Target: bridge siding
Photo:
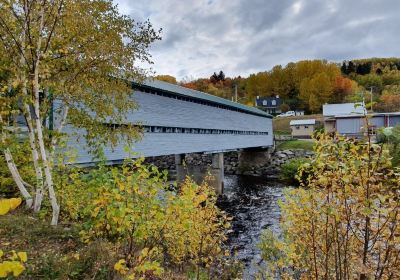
(164, 111)
(156, 144)
(155, 110)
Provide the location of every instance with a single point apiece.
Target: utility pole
(372, 110)
(236, 95)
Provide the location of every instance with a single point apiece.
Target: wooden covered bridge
(177, 121)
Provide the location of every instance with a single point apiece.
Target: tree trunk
(36, 103)
(35, 159)
(43, 155)
(17, 178)
(14, 172)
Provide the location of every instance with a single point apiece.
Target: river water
(253, 204)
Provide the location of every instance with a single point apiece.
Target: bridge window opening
(161, 129)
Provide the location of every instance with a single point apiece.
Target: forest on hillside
(309, 84)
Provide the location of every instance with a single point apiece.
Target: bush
(152, 227)
(290, 169)
(23, 161)
(391, 137)
(344, 220)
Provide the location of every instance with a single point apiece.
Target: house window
(273, 102)
(297, 127)
(306, 126)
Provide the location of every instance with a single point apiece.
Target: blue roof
(179, 90)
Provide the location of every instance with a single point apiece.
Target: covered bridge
(177, 120)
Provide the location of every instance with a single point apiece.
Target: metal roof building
(302, 122)
(330, 110)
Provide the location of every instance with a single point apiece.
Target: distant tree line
(309, 84)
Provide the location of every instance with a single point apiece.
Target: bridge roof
(182, 91)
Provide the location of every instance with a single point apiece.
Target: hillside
(310, 83)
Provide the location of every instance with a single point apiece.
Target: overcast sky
(241, 37)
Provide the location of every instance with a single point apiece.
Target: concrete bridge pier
(253, 158)
(214, 174)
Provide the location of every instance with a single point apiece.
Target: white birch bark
(47, 170)
(27, 113)
(35, 158)
(14, 172)
(17, 179)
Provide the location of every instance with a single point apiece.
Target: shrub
(23, 161)
(290, 169)
(344, 220)
(151, 226)
(391, 137)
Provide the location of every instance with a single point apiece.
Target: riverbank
(270, 167)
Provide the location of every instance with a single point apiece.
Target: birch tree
(81, 54)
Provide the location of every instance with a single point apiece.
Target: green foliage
(24, 163)
(83, 54)
(371, 80)
(296, 144)
(290, 169)
(391, 137)
(344, 220)
(153, 227)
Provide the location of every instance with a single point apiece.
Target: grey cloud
(245, 36)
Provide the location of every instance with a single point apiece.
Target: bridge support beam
(249, 159)
(214, 173)
(217, 173)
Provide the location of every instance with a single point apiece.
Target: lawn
(296, 144)
(281, 125)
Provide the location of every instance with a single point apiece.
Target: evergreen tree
(214, 78)
(343, 69)
(221, 76)
(351, 68)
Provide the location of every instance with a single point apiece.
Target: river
(253, 204)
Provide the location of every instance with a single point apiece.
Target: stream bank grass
(296, 144)
(55, 252)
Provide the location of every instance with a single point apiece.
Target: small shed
(302, 128)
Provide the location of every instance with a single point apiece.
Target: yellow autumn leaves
(6, 205)
(11, 263)
(133, 207)
(344, 220)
